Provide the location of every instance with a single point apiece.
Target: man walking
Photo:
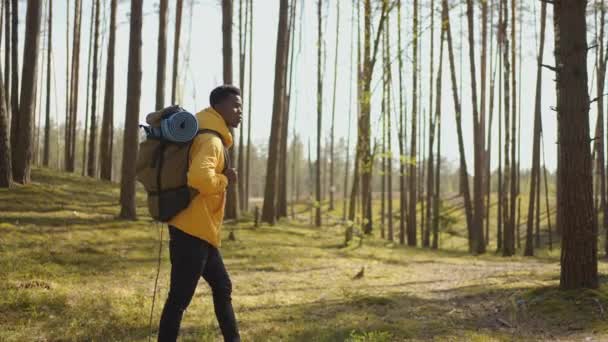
(195, 231)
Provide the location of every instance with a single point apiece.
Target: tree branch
(552, 68)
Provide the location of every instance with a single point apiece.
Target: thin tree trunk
(534, 177)
(6, 174)
(242, 58)
(411, 223)
(509, 226)
(47, 125)
(389, 126)
(91, 167)
(513, 183)
(478, 242)
(333, 113)
(268, 209)
(176, 42)
(231, 195)
(250, 101)
(107, 125)
(369, 60)
(402, 136)
(430, 188)
(88, 95)
(350, 109)
(23, 156)
(7, 51)
(161, 59)
(127, 182)
(16, 130)
(488, 158)
(282, 179)
(74, 84)
(437, 170)
(458, 112)
(319, 114)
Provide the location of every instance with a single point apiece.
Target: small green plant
(370, 336)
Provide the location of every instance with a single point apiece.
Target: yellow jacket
(203, 217)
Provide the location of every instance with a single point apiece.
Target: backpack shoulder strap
(227, 161)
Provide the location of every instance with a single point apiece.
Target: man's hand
(231, 174)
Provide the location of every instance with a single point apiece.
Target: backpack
(162, 168)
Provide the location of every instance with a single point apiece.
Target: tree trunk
(509, 226)
(23, 150)
(515, 166)
(88, 94)
(402, 136)
(319, 115)
(242, 54)
(250, 101)
(333, 114)
(282, 181)
(268, 209)
(478, 242)
(107, 125)
(350, 109)
(161, 59)
(579, 239)
(389, 127)
(6, 174)
(16, 130)
(534, 177)
(433, 175)
(75, 67)
(91, 167)
(430, 188)
(7, 53)
(458, 112)
(176, 42)
(129, 155)
(47, 125)
(413, 162)
(231, 195)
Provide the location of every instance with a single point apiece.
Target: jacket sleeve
(207, 157)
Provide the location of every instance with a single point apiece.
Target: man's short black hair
(222, 92)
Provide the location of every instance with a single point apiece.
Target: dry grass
(71, 271)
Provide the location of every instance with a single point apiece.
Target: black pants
(192, 258)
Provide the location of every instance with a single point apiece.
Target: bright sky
(201, 68)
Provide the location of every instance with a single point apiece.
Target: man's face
(231, 110)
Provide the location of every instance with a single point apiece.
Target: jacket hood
(209, 118)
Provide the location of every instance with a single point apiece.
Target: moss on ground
(71, 271)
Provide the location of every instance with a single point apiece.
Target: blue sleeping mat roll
(179, 127)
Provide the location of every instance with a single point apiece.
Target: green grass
(71, 271)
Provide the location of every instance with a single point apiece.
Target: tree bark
(458, 112)
(161, 59)
(47, 126)
(579, 239)
(23, 155)
(534, 177)
(91, 167)
(411, 222)
(127, 182)
(176, 42)
(74, 74)
(282, 179)
(14, 100)
(231, 195)
(268, 209)
(250, 101)
(107, 125)
(478, 242)
(6, 172)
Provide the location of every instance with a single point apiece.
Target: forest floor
(71, 271)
